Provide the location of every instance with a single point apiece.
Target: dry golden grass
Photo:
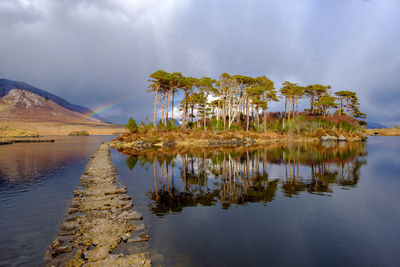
(56, 128)
(194, 135)
(195, 138)
(387, 131)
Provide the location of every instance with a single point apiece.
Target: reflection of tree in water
(328, 165)
(240, 176)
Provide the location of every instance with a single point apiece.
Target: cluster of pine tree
(242, 99)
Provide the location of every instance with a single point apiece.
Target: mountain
(7, 85)
(374, 125)
(22, 105)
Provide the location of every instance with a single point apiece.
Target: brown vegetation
(386, 131)
(184, 138)
(19, 128)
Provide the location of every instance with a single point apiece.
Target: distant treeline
(241, 100)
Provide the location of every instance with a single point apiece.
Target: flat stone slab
(98, 220)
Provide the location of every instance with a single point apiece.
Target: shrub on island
(74, 133)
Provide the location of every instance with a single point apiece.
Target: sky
(101, 52)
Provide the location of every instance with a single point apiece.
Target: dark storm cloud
(96, 52)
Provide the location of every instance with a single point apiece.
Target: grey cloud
(97, 52)
(19, 12)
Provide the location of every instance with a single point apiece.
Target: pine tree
(132, 126)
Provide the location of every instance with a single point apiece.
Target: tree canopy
(240, 99)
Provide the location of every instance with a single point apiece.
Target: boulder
(69, 226)
(124, 238)
(141, 145)
(59, 246)
(249, 140)
(169, 144)
(328, 138)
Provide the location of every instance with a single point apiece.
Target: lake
(280, 205)
(36, 184)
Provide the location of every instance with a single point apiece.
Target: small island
(233, 110)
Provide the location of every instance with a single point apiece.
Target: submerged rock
(140, 227)
(140, 238)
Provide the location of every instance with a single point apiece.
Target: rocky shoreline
(12, 141)
(100, 221)
(141, 144)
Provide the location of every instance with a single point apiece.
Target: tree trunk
(218, 111)
(192, 114)
(257, 117)
(251, 113)
(184, 110)
(198, 116)
(205, 113)
(162, 107)
(265, 120)
(155, 106)
(229, 114)
(293, 106)
(290, 103)
(312, 104)
(285, 105)
(247, 115)
(224, 113)
(173, 96)
(167, 111)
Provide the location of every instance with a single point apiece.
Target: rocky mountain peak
(24, 105)
(24, 99)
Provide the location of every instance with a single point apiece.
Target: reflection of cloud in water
(26, 162)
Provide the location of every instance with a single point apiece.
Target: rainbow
(106, 107)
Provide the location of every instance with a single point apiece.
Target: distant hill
(373, 125)
(22, 105)
(7, 85)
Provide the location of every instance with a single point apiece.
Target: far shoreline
(56, 128)
(395, 131)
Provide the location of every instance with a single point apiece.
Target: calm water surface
(280, 205)
(36, 184)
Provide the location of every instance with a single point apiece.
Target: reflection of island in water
(240, 175)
